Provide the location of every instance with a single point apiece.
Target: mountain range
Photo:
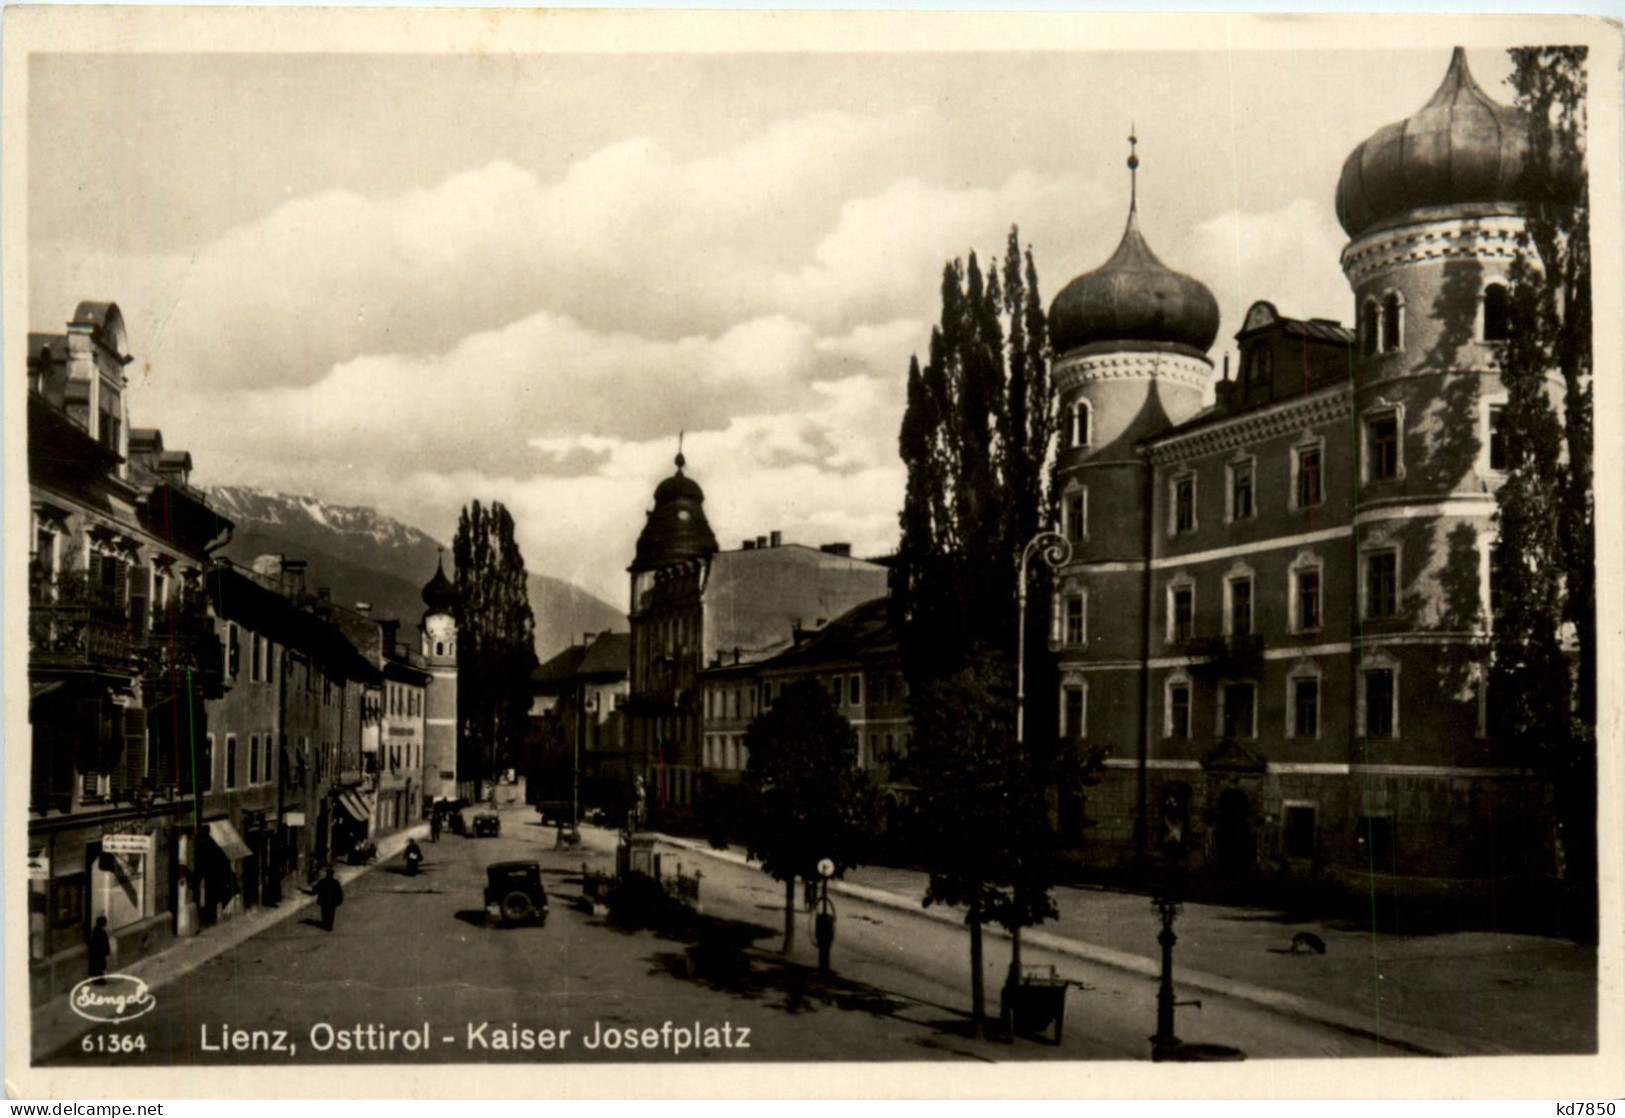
(363, 556)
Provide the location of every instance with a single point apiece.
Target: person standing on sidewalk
(98, 950)
(329, 895)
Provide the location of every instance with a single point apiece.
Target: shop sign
(126, 844)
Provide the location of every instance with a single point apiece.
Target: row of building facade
(1275, 614)
(203, 735)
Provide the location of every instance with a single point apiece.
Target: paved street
(415, 955)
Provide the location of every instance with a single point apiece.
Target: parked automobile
(487, 823)
(514, 892)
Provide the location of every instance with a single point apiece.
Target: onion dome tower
(676, 528)
(1130, 341)
(1434, 207)
(438, 635)
(438, 593)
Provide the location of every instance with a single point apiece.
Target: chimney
(777, 538)
(293, 578)
(761, 541)
(844, 550)
(749, 545)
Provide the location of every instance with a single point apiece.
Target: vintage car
(514, 892)
(486, 823)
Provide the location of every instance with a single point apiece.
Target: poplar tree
(976, 440)
(1545, 552)
(496, 640)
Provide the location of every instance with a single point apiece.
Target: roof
(609, 654)
(559, 668)
(861, 633)
(755, 599)
(676, 528)
(239, 596)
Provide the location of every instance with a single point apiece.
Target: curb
(1416, 1039)
(54, 1024)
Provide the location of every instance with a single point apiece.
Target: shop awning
(227, 839)
(358, 808)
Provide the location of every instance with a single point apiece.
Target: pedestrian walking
(99, 948)
(329, 895)
(434, 827)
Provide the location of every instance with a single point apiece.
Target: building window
(1082, 424)
(1179, 710)
(203, 765)
(1241, 490)
(233, 653)
(1181, 612)
(1493, 589)
(1305, 706)
(1393, 322)
(1075, 629)
(1368, 328)
(1309, 484)
(1381, 584)
(1306, 600)
(1256, 374)
(1238, 606)
(253, 758)
(1375, 836)
(1238, 710)
(855, 688)
(1073, 710)
(1075, 515)
(1496, 437)
(1185, 503)
(1497, 313)
(1379, 702)
(1382, 447)
(1298, 831)
(231, 760)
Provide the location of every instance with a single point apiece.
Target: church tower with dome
(1279, 596)
(438, 635)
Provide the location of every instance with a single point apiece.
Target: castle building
(1276, 611)
(694, 606)
(438, 633)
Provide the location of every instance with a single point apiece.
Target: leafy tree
(806, 797)
(976, 440)
(496, 641)
(1546, 550)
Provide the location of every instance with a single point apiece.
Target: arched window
(1082, 424)
(1368, 328)
(1393, 330)
(1496, 311)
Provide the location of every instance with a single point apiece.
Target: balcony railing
(1224, 656)
(79, 636)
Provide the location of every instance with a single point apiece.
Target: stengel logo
(118, 997)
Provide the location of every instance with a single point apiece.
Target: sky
(411, 281)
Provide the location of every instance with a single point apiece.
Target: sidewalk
(55, 1023)
(1452, 994)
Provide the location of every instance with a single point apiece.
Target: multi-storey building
(122, 655)
(577, 747)
(693, 605)
(1276, 610)
(856, 658)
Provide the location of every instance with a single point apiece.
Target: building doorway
(1233, 833)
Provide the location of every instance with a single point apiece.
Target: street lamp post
(1055, 551)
